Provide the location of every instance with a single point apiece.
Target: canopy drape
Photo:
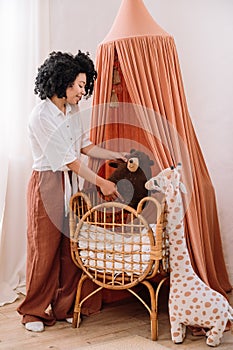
(149, 79)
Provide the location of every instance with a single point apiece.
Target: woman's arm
(101, 153)
(108, 188)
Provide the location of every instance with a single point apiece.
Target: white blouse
(56, 139)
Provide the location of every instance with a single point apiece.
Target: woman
(57, 141)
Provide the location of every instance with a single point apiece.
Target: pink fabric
(150, 75)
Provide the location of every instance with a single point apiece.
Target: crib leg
(152, 310)
(75, 320)
(154, 325)
(77, 306)
(154, 306)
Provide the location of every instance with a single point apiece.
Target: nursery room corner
(158, 77)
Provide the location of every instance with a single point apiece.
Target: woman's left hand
(122, 155)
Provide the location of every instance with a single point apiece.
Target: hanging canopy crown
(133, 19)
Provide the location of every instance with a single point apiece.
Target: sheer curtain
(24, 27)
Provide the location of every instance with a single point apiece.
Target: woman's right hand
(109, 190)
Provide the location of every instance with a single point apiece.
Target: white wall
(203, 32)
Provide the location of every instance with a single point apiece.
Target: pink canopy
(140, 100)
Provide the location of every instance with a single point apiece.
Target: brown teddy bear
(131, 176)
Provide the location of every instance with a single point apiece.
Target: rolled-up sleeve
(85, 140)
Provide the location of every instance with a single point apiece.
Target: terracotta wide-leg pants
(51, 276)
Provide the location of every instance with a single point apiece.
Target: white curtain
(25, 43)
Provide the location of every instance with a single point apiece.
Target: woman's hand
(109, 190)
(121, 155)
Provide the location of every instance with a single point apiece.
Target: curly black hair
(59, 71)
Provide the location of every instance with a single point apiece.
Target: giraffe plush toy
(191, 301)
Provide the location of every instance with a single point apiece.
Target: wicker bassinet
(117, 249)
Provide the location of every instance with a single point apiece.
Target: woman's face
(75, 92)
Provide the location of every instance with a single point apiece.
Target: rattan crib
(117, 249)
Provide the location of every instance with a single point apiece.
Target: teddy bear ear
(132, 150)
(113, 164)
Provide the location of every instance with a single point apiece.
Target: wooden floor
(115, 321)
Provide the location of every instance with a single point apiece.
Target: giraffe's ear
(183, 188)
(178, 167)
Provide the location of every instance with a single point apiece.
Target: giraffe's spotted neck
(175, 210)
(168, 182)
(175, 228)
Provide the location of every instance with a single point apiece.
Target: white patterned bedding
(102, 249)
